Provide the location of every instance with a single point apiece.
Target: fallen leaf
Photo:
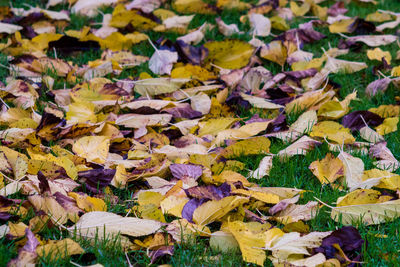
(231, 54)
(300, 147)
(367, 213)
(226, 29)
(251, 237)
(261, 26)
(92, 148)
(332, 131)
(263, 169)
(216, 209)
(275, 52)
(161, 61)
(328, 169)
(379, 54)
(223, 242)
(293, 243)
(89, 8)
(103, 225)
(389, 125)
(59, 249)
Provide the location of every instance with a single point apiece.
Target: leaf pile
(170, 126)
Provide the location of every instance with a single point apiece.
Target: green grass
(383, 240)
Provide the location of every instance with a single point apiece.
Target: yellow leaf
(193, 6)
(379, 54)
(214, 126)
(173, 205)
(299, 11)
(151, 212)
(328, 169)
(13, 115)
(122, 17)
(353, 172)
(231, 177)
(243, 132)
(24, 123)
(341, 26)
(233, 4)
(42, 41)
(59, 249)
(275, 51)
(18, 161)
(229, 54)
(308, 99)
(63, 160)
(51, 207)
(148, 197)
(81, 112)
(304, 65)
(88, 203)
(378, 17)
(252, 146)
(266, 197)
(192, 72)
(117, 41)
(92, 148)
(332, 131)
(336, 109)
(358, 197)
(57, 66)
(282, 192)
(121, 177)
(388, 180)
(216, 209)
(386, 111)
(320, 12)
(251, 241)
(332, 110)
(279, 23)
(389, 125)
(17, 229)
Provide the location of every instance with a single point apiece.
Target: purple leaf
(31, 243)
(209, 192)
(160, 252)
(349, 240)
(95, 180)
(181, 171)
(190, 207)
(377, 86)
(354, 120)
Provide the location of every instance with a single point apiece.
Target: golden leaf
(92, 148)
(230, 54)
(332, 131)
(216, 209)
(328, 169)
